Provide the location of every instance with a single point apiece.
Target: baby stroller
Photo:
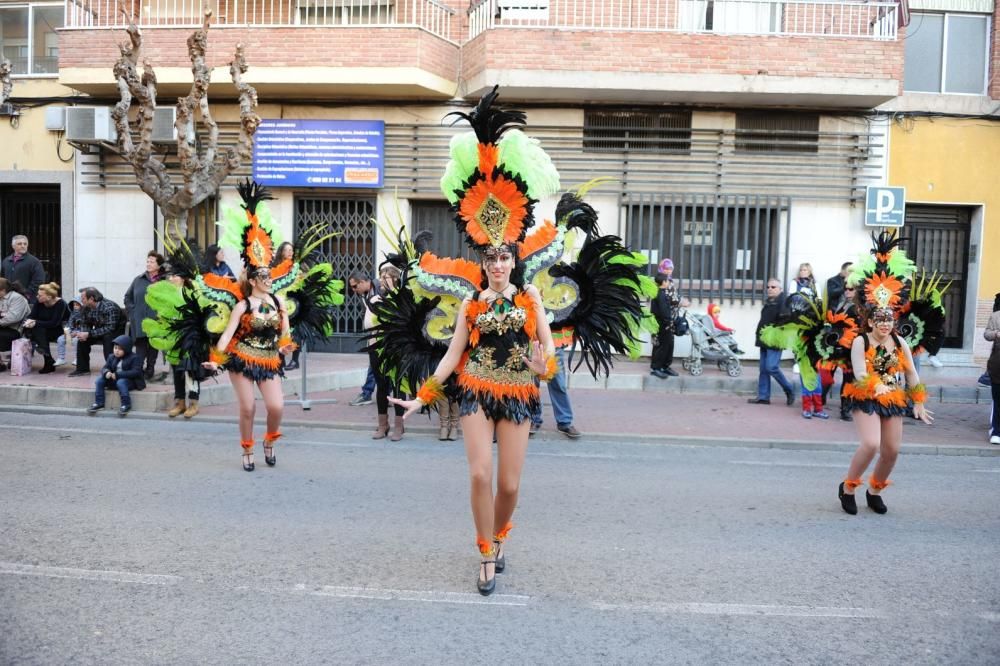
(711, 344)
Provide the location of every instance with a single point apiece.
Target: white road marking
(605, 456)
(15, 569)
(987, 471)
(70, 431)
(742, 609)
(425, 596)
(761, 463)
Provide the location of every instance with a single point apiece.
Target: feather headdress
(252, 230)
(495, 176)
(883, 278)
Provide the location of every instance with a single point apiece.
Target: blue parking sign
(885, 206)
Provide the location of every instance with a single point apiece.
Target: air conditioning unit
(163, 124)
(90, 124)
(7, 109)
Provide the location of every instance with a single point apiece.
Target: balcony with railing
(297, 49)
(823, 53)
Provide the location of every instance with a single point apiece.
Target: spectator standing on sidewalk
(362, 285)
(23, 267)
(992, 333)
(138, 309)
(837, 285)
(100, 321)
(770, 357)
(664, 309)
(562, 409)
(215, 262)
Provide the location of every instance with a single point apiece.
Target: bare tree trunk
(6, 86)
(202, 171)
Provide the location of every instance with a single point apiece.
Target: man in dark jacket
(100, 320)
(23, 268)
(123, 369)
(770, 358)
(835, 285)
(138, 309)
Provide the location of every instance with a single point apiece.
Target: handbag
(681, 325)
(20, 357)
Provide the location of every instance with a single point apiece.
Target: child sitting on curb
(123, 369)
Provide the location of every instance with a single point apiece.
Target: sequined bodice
(502, 342)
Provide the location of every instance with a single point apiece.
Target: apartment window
(947, 53)
(637, 131)
(777, 132)
(346, 12)
(739, 17)
(28, 38)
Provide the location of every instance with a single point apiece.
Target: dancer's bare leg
(892, 436)
(243, 388)
(512, 445)
(869, 428)
(478, 435)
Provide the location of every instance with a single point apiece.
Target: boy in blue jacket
(123, 369)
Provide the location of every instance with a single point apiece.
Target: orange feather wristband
(918, 394)
(285, 341)
(430, 391)
(551, 367)
(218, 357)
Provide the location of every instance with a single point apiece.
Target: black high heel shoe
(847, 501)
(248, 462)
(501, 563)
(486, 585)
(272, 459)
(875, 503)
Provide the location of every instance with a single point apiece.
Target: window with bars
(438, 218)
(609, 131)
(722, 248)
(760, 132)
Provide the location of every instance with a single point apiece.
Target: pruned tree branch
(6, 85)
(203, 170)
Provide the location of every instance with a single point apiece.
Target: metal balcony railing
(819, 18)
(428, 15)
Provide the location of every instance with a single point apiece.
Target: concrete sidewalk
(709, 409)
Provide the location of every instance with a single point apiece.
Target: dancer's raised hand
(411, 406)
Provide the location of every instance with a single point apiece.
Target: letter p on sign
(885, 206)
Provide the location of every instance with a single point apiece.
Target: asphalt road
(139, 541)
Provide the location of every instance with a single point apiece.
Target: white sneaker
(60, 361)
(933, 360)
(995, 439)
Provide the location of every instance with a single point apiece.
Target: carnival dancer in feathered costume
(894, 315)
(484, 327)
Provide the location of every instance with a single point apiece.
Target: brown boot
(382, 429)
(192, 409)
(176, 409)
(453, 427)
(397, 429)
(444, 417)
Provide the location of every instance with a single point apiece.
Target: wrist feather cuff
(430, 391)
(285, 341)
(219, 357)
(551, 367)
(918, 394)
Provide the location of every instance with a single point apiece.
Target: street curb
(985, 451)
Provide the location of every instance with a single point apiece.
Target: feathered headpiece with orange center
(495, 176)
(251, 229)
(884, 277)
